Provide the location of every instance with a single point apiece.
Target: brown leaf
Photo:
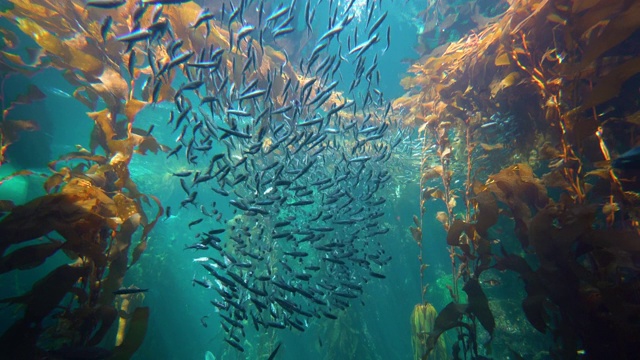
(502, 59)
(608, 87)
(615, 32)
(104, 122)
(416, 233)
(479, 305)
(443, 218)
(416, 220)
(15, 174)
(132, 108)
(487, 212)
(456, 229)
(489, 147)
(450, 317)
(28, 257)
(135, 334)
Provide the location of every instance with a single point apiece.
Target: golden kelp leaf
(112, 84)
(42, 37)
(416, 233)
(601, 173)
(610, 207)
(438, 194)
(83, 155)
(555, 18)
(28, 257)
(432, 173)
(15, 174)
(489, 147)
(416, 220)
(508, 81)
(118, 255)
(452, 202)
(85, 191)
(70, 56)
(33, 9)
(135, 334)
(53, 181)
(427, 193)
(502, 59)
(518, 181)
(74, 78)
(167, 93)
(407, 82)
(125, 206)
(80, 59)
(104, 122)
(443, 218)
(12, 61)
(132, 108)
(446, 153)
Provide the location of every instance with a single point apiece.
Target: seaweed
(90, 200)
(556, 76)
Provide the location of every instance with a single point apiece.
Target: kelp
(28, 257)
(88, 219)
(347, 337)
(527, 115)
(135, 334)
(47, 292)
(422, 321)
(90, 201)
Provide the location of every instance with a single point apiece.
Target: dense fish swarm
(300, 163)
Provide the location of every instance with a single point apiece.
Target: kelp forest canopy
(525, 111)
(524, 121)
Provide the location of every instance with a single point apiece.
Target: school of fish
(300, 157)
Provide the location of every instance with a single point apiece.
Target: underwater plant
(422, 324)
(526, 115)
(90, 209)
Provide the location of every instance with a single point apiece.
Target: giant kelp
(527, 113)
(91, 207)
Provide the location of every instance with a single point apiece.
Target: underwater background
(362, 179)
